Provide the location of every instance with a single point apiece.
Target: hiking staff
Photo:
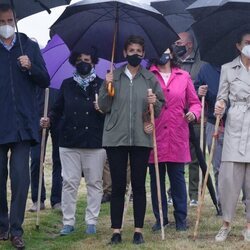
(201, 146)
(206, 176)
(42, 156)
(152, 119)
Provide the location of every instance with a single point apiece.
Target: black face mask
(164, 59)
(180, 50)
(83, 68)
(134, 60)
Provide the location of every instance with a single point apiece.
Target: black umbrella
(107, 24)
(201, 8)
(203, 166)
(175, 13)
(24, 8)
(216, 33)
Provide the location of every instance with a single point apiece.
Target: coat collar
(174, 71)
(236, 62)
(118, 72)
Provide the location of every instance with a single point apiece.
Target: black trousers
(20, 180)
(118, 160)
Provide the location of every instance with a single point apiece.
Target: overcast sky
(37, 26)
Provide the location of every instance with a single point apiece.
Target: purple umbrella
(56, 54)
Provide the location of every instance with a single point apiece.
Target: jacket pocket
(112, 121)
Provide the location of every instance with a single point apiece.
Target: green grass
(47, 238)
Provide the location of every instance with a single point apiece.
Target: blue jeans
(56, 189)
(178, 192)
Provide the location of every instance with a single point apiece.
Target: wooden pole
(156, 168)
(42, 156)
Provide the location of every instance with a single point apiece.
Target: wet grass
(47, 238)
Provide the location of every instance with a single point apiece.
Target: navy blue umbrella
(108, 23)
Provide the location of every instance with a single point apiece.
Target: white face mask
(6, 31)
(246, 51)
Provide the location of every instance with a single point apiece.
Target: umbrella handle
(15, 20)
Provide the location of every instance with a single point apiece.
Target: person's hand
(109, 77)
(190, 116)
(202, 91)
(151, 98)
(148, 127)
(24, 62)
(219, 108)
(45, 122)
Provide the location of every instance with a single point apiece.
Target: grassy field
(47, 238)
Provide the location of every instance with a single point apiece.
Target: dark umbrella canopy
(217, 33)
(93, 23)
(24, 8)
(200, 8)
(175, 13)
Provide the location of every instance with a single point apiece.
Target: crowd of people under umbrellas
(116, 128)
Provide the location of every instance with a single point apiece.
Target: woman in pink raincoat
(172, 136)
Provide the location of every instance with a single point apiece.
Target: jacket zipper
(130, 112)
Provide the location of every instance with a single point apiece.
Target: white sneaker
(170, 201)
(246, 234)
(34, 207)
(222, 234)
(193, 203)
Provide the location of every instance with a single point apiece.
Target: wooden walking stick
(42, 156)
(201, 146)
(152, 118)
(202, 122)
(206, 176)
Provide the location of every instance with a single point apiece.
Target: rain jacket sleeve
(157, 90)
(38, 72)
(104, 100)
(223, 91)
(193, 101)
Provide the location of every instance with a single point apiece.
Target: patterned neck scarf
(84, 81)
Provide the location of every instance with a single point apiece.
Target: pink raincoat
(172, 132)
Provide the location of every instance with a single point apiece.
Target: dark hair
(134, 39)
(92, 51)
(174, 62)
(4, 7)
(241, 34)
